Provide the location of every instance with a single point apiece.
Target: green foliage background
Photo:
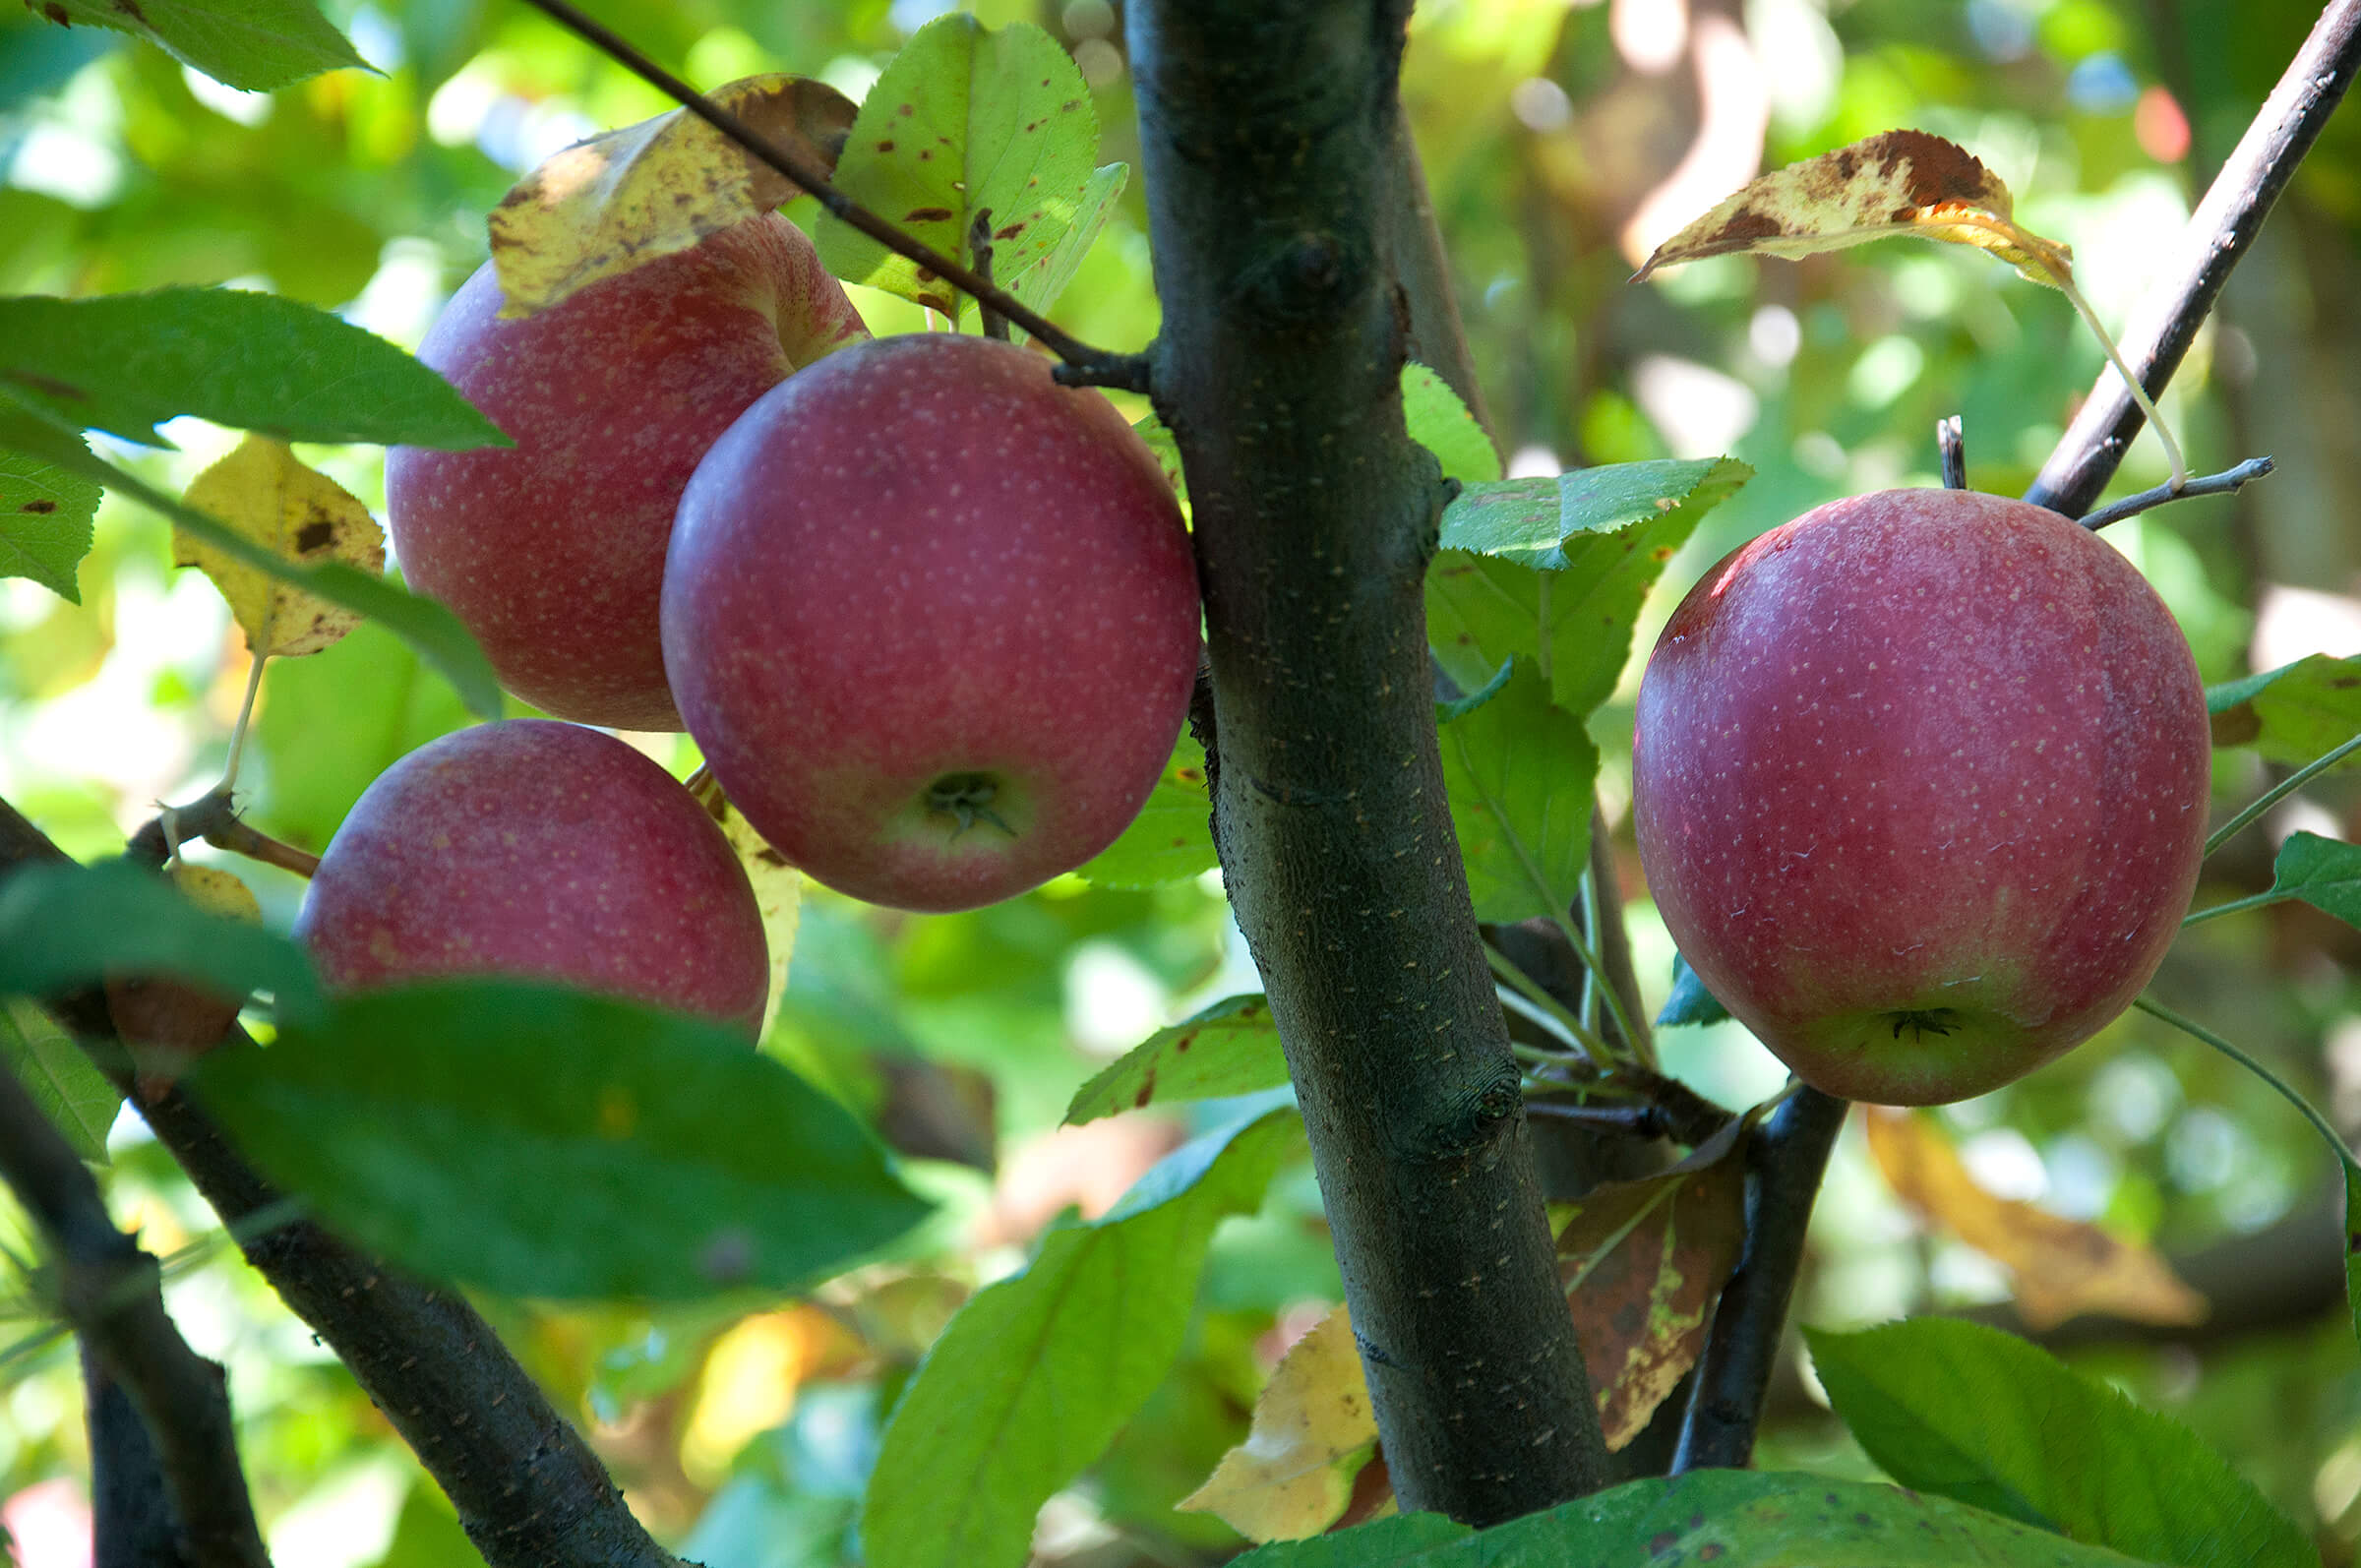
(1545, 129)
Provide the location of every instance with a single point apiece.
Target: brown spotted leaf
(270, 499)
(1643, 1262)
(2059, 1267)
(605, 205)
(969, 119)
(1311, 1436)
(1896, 182)
(778, 885)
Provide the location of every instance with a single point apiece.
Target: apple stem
(979, 246)
(2311, 1112)
(2155, 420)
(1952, 442)
(1085, 366)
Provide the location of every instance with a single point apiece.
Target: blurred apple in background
(932, 620)
(1919, 782)
(540, 850)
(552, 551)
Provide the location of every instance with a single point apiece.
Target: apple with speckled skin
(552, 551)
(1919, 782)
(540, 850)
(932, 620)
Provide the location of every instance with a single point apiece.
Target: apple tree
(1324, 1150)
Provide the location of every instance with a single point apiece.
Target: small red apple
(552, 551)
(541, 850)
(932, 618)
(1919, 781)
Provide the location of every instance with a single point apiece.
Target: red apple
(934, 620)
(542, 850)
(552, 551)
(1919, 782)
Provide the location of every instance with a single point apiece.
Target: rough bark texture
(1265, 133)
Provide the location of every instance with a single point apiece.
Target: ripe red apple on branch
(552, 552)
(932, 618)
(540, 850)
(1919, 782)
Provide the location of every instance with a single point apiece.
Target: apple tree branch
(1278, 371)
(527, 1488)
(1084, 366)
(2217, 235)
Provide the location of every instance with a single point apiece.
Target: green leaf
(2324, 872)
(1519, 770)
(45, 517)
(1165, 449)
(1690, 1003)
(63, 926)
(422, 623)
(1440, 422)
(1726, 1518)
(1041, 283)
(2294, 713)
(1563, 586)
(71, 1092)
(1171, 839)
(1971, 1413)
(964, 119)
(330, 723)
(255, 44)
(1037, 1374)
(123, 363)
(545, 1142)
(1230, 1048)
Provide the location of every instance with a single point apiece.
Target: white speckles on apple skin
(552, 552)
(926, 558)
(2018, 778)
(544, 850)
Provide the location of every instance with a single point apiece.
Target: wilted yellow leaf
(1312, 1433)
(2060, 1268)
(270, 499)
(604, 206)
(778, 885)
(1896, 182)
(1643, 1263)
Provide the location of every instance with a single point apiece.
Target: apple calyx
(967, 798)
(1925, 1021)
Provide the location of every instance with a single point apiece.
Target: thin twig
(2226, 483)
(1952, 442)
(2210, 244)
(1085, 366)
(107, 1288)
(2279, 792)
(1784, 1159)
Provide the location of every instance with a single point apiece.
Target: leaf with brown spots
(1312, 1433)
(605, 205)
(1896, 182)
(2059, 1268)
(1643, 1263)
(778, 885)
(45, 516)
(1231, 1047)
(969, 118)
(267, 497)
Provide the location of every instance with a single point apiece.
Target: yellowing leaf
(604, 206)
(1312, 1433)
(270, 499)
(2060, 1268)
(1896, 182)
(778, 885)
(216, 891)
(1643, 1263)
